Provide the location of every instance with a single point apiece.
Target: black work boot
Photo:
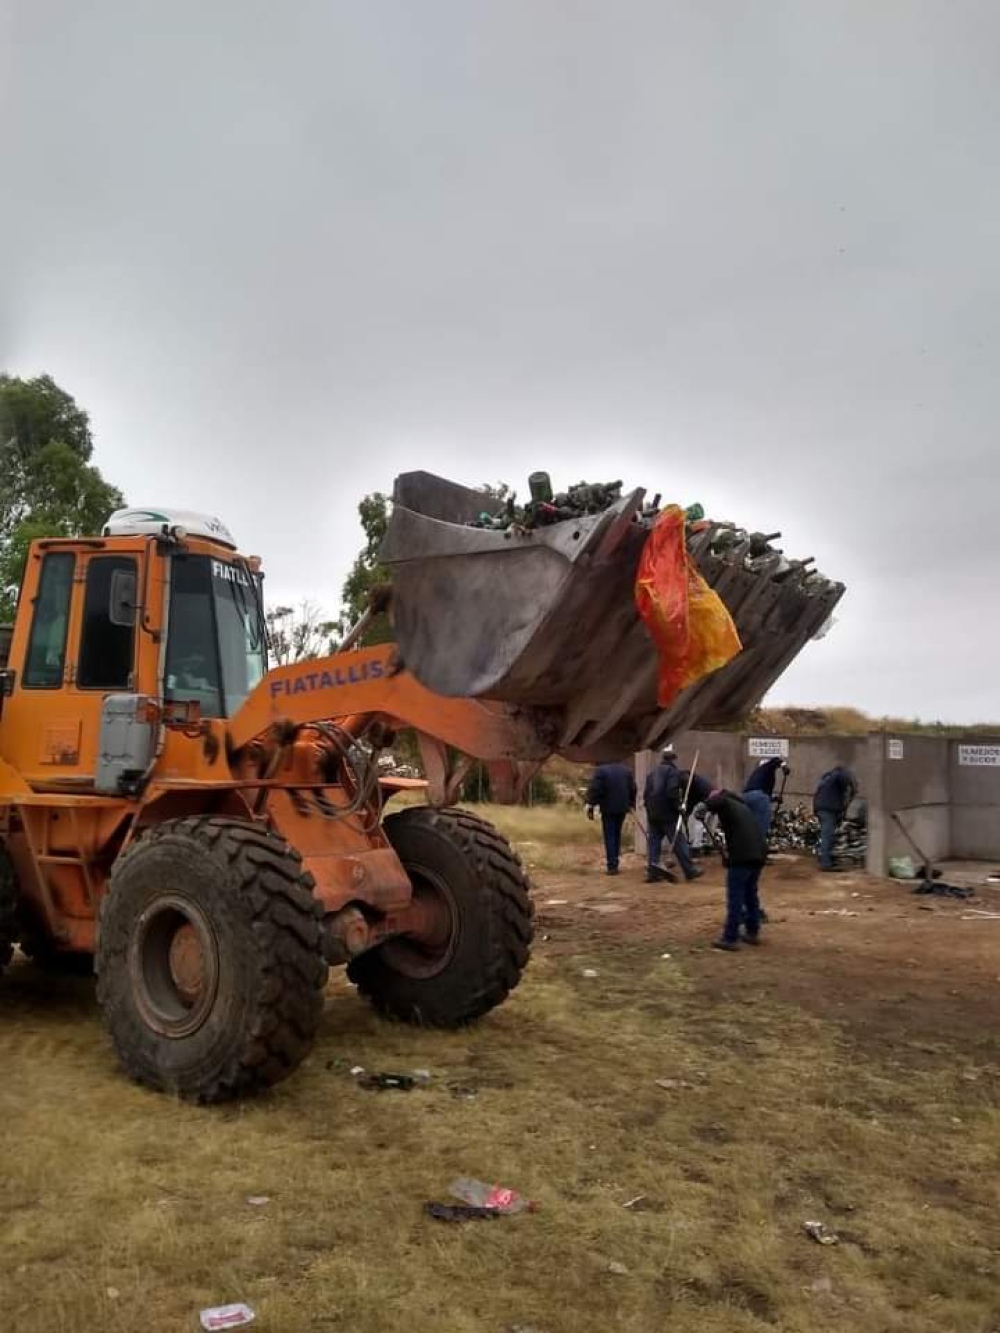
(728, 946)
(657, 875)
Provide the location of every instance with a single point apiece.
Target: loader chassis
(213, 833)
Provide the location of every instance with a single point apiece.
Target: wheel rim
(174, 966)
(428, 952)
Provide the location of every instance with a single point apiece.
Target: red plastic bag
(689, 623)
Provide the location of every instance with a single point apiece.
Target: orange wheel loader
(212, 832)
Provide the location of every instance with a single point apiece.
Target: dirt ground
(897, 970)
(678, 1114)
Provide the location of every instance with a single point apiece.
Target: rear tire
(458, 858)
(209, 968)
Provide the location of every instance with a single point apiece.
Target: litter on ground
(497, 1198)
(820, 1232)
(227, 1316)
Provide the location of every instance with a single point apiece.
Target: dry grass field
(846, 1073)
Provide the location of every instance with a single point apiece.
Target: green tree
(367, 576)
(48, 487)
(298, 635)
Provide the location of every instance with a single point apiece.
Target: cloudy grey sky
(742, 253)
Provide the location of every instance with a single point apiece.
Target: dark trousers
(660, 832)
(612, 828)
(827, 832)
(741, 902)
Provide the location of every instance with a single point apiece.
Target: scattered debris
(664, 955)
(902, 867)
(942, 890)
(356, 1070)
(606, 909)
(643, 1204)
(401, 1082)
(672, 1084)
(820, 1232)
(822, 1286)
(834, 911)
(497, 1198)
(556, 902)
(619, 1270)
(976, 915)
(993, 877)
(258, 1200)
(462, 1092)
(113, 1293)
(227, 1316)
(590, 973)
(459, 1212)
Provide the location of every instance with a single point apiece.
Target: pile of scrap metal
(850, 844)
(794, 829)
(534, 608)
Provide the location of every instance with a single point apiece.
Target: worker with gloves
(837, 789)
(746, 852)
(612, 790)
(663, 797)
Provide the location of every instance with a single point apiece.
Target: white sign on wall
(979, 756)
(767, 747)
(895, 749)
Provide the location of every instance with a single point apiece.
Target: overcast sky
(738, 253)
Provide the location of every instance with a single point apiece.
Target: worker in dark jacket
(746, 852)
(837, 789)
(612, 791)
(663, 796)
(763, 776)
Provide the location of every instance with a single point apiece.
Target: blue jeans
(611, 826)
(741, 902)
(827, 831)
(760, 804)
(663, 832)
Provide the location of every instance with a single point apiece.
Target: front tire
(209, 967)
(468, 872)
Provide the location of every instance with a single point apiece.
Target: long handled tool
(926, 867)
(687, 793)
(777, 802)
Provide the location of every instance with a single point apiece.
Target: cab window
(107, 646)
(43, 669)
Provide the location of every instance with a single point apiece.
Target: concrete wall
(916, 788)
(975, 803)
(950, 809)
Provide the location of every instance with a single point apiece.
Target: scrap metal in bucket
(545, 618)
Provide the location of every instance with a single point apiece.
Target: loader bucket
(546, 619)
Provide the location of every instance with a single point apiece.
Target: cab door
(80, 645)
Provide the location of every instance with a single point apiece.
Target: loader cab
(159, 610)
(216, 643)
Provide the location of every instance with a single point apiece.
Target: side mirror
(123, 593)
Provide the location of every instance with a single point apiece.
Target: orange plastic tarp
(690, 625)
